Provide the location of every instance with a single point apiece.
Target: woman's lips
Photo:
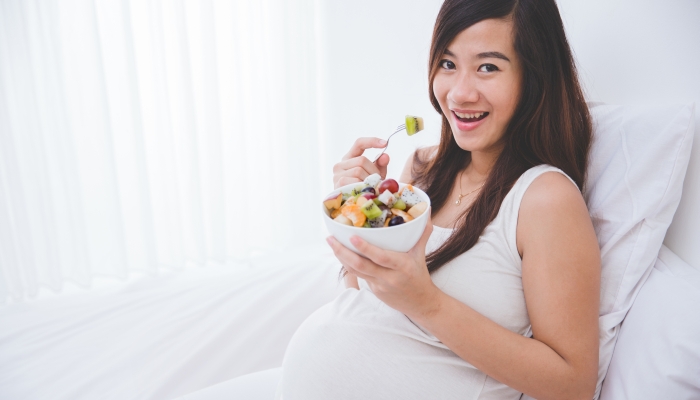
(467, 124)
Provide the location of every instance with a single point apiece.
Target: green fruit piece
(399, 204)
(366, 225)
(358, 190)
(371, 210)
(413, 125)
(376, 201)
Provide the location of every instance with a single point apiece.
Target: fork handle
(399, 129)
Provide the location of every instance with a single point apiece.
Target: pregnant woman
(500, 296)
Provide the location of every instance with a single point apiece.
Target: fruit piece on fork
(413, 125)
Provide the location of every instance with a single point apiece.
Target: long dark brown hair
(551, 123)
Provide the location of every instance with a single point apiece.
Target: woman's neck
(480, 166)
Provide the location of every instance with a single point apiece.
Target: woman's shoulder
(548, 186)
(426, 153)
(552, 203)
(421, 155)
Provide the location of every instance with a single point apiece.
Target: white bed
(161, 337)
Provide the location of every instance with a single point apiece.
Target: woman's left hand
(401, 280)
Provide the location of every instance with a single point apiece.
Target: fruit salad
(375, 203)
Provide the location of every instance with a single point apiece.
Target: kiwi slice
(371, 210)
(357, 190)
(413, 125)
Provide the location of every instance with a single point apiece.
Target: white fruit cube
(387, 198)
(410, 197)
(373, 180)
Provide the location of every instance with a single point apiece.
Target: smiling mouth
(470, 117)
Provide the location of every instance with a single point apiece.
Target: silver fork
(398, 129)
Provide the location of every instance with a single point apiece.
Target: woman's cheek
(440, 89)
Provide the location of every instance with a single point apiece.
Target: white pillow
(657, 355)
(637, 164)
(635, 176)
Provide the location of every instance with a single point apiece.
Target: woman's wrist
(351, 281)
(431, 305)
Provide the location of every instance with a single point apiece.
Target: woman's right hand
(354, 167)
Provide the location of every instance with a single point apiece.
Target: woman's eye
(488, 68)
(447, 64)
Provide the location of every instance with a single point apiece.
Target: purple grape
(383, 207)
(369, 189)
(396, 221)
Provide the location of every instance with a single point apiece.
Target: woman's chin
(476, 145)
(469, 144)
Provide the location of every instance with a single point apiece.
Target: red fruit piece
(388, 184)
(333, 201)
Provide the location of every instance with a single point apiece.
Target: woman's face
(478, 84)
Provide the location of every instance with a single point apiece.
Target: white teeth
(470, 116)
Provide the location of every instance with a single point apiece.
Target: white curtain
(145, 134)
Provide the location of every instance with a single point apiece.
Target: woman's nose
(464, 91)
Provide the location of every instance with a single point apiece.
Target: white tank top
(357, 347)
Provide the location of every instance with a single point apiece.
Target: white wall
(375, 56)
(628, 51)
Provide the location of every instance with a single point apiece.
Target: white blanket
(161, 337)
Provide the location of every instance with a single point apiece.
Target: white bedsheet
(162, 337)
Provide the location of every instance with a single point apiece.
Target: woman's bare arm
(561, 282)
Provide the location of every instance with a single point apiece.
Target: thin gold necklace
(459, 200)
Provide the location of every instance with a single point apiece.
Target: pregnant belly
(356, 347)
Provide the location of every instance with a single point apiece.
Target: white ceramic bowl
(400, 238)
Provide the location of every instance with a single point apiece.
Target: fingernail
(382, 142)
(329, 240)
(355, 240)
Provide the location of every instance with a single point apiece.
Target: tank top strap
(511, 204)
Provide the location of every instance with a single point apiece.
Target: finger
(381, 257)
(363, 144)
(361, 162)
(356, 172)
(423, 241)
(350, 259)
(346, 180)
(381, 164)
(360, 275)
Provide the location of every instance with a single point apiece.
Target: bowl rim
(361, 228)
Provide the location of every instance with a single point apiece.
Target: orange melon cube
(354, 214)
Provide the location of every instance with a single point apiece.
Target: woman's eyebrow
(488, 54)
(493, 54)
